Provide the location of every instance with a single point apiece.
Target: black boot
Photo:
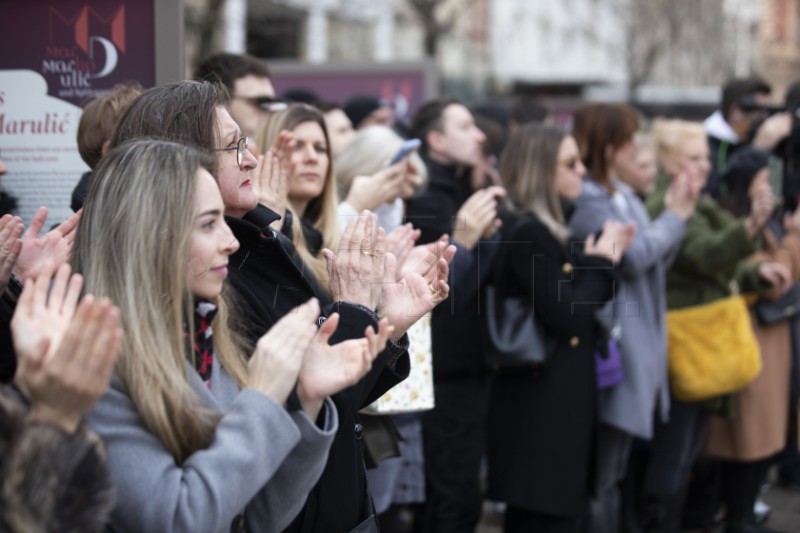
(662, 514)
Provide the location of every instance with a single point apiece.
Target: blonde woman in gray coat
(605, 135)
(198, 438)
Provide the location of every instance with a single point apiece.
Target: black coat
(542, 428)
(269, 280)
(456, 326)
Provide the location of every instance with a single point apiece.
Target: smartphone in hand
(409, 146)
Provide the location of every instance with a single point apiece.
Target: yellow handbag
(712, 349)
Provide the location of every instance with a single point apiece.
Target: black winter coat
(542, 428)
(456, 325)
(269, 279)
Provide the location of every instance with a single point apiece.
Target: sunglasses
(241, 146)
(267, 103)
(570, 162)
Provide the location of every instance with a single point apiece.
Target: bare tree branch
(438, 17)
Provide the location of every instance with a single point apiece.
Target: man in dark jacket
(454, 431)
(742, 120)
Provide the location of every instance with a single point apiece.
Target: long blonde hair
(321, 211)
(528, 169)
(132, 246)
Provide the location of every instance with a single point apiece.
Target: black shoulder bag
(517, 343)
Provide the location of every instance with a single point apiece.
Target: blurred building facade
(647, 51)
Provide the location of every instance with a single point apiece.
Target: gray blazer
(639, 306)
(262, 458)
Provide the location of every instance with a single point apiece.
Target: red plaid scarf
(202, 345)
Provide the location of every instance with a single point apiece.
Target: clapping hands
(65, 350)
(613, 242)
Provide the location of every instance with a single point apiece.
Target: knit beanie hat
(359, 107)
(741, 168)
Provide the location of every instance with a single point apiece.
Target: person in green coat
(709, 266)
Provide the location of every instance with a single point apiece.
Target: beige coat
(758, 428)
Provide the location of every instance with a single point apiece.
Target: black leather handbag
(784, 308)
(516, 340)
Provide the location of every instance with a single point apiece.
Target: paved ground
(784, 516)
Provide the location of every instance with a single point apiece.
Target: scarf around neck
(201, 348)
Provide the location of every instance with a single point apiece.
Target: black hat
(301, 95)
(741, 168)
(358, 108)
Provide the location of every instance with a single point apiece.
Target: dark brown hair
(226, 68)
(598, 126)
(182, 112)
(428, 118)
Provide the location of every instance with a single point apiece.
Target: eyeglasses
(570, 162)
(267, 103)
(241, 147)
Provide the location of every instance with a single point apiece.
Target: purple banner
(405, 86)
(81, 47)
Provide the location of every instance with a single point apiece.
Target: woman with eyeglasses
(542, 426)
(269, 278)
(197, 436)
(606, 138)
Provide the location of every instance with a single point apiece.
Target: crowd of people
(262, 318)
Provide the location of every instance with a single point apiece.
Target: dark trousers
(519, 520)
(674, 448)
(613, 454)
(453, 439)
(740, 485)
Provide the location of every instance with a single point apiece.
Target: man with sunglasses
(252, 96)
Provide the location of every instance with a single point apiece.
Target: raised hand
(65, 357)
(370, 192)
(406, 300)
(329, 369)
(682, 194)
(613, 242)
(773, 130)
(400, 243)
(423, 253)
(10, 245)
(278, 356)
(777, 275)
(357, 269)
(47, 315)
(54, 246)
(477, 217)
(762, 204)
(272, 174)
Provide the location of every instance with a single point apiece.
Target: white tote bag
(415, 393)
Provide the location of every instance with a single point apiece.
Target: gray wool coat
(262, 459)
(639, 307)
